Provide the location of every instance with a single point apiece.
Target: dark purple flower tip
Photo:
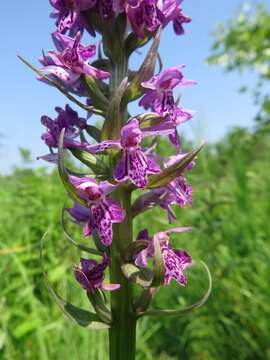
(172, 11)
(68, 15)
(90, 274)
(175, 261)
(143, 15)
(67, 119)
(70, 62)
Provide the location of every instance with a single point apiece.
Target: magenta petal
(103, 146)
(120, 171)
(65, 75)
(117, 213)
(103, 223)
(81, 278)
(141, 258)
(110, 287)
(88, 228)
(87, 264)
(94, 72)
(178, 230)
(51, 158)
(143, 235)
(79, 213)
(107, 187)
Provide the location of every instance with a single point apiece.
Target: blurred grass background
(231, 234)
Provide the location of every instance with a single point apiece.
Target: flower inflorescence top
(145, 16)
(134, 163)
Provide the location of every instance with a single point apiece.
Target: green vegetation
(242, 45)
(232, 231)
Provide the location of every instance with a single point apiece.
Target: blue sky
(215, 99)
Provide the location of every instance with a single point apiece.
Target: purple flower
(102, 211)
(90, 275)
(67, 14)
(70, 62)
(159, 98)
(106, 8)
(135, 164)
(178, 191)
(145, 16)
(67, 119)
(172, 11)
(175, 261)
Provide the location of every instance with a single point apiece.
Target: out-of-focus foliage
(232, 232)
(244, 44)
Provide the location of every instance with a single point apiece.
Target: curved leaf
(142, 277)
(145, 72)
(94, 132)
(133, 42)
(144, 300)
(57, 85)
(173, 171)
(99, 168)
(149, 119)
(98, 302)
(158, 264)
(63, 173)
(134, 248)
(77, 315)
(186, 310)
(96, 95)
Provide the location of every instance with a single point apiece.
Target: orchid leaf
(112, 124)
(173, 171)
(158, 264)
(186, 310)
(98, 303)
(160, 63)
(133, 42)
(99, 168)
(101, 248)
(149, 119)
(102, 64)
(142, 277)
(63, 172)
(134, 248)
(94, 132)
(79, 316)
(56, 84)
(144, 300)
(145, 72)
(97, 97)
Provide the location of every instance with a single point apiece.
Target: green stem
(122, 335)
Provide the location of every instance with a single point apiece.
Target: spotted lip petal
(102, 211)
(175, 261)
(134, 165)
